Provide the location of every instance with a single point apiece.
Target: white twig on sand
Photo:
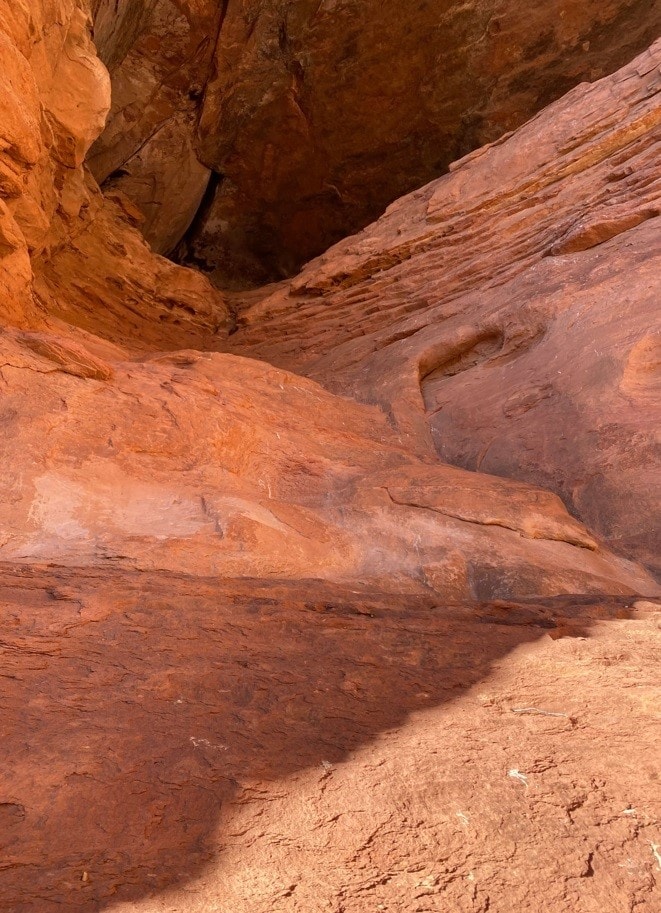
(517, 775)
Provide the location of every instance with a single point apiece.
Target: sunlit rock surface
(267, 641)
(508, 313)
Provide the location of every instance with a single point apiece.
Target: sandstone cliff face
(261, 648)
(159, 53)
(315, 115)
(50, 72)
(66, 250)
(275, 476)
(510, 308)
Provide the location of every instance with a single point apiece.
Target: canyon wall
(160, 55)
(402, 331)
(293, 125)
(506, 315)
(67, 251)
(334, 594)
(274, 474)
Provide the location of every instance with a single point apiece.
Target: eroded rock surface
(159, 53)
(322, 113)
(218, 465)
(261, 649)
(510, 309)
(314, 116)
(178, 744)
(65, 250)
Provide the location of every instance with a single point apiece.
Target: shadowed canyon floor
(184, 744)
(338, 595)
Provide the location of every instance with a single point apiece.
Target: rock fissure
(581, 542)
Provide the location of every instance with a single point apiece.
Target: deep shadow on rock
(135, 706)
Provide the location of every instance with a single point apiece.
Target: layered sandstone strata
(65, 250)
(220, 465)
(261, 649)
(506, 316)
(286, 126)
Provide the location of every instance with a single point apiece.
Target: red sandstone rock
(319, 114)
(219, 465)
(259, 649)
(64, 250)
(212, 464)
(314, 116)
(510, 308)
(159, 53)
(103, 277)
(178, 744)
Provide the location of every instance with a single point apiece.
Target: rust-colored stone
(510, 309)
(260, 649)
(320, 114)
(179, 744)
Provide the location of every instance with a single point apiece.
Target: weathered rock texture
(315, 115)
(510, 308)
(65, 250)
(159, 53)
(172, 744)
(262, 649)
(218, 465)
(215, 464)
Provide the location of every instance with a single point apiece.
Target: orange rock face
(319, 114)
(292, 614)
(211, 464)
(219, 465)
(159, 54)
(64, 248)
(264, 131)
(510, 309)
